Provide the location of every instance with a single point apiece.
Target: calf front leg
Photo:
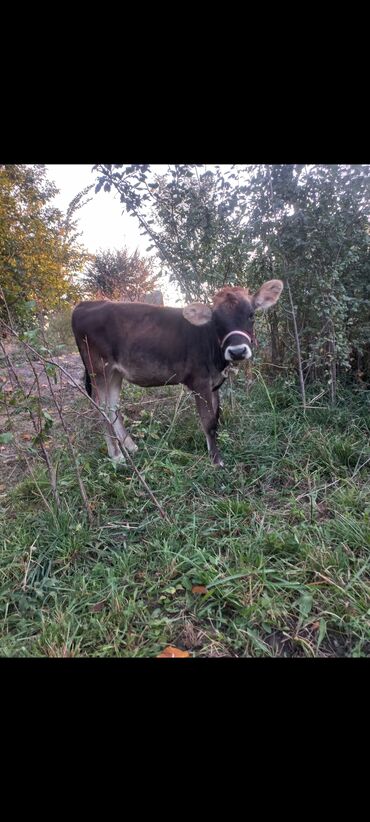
(107, 392)
(216, 404)
(207, 403)
(115, 415)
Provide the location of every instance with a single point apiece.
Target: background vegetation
(271, 556)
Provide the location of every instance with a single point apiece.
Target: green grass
(281, 538)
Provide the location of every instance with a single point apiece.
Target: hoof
(118, 460)
(130, 445)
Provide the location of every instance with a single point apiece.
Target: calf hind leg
(208, 409)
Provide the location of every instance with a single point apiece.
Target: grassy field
(279, 542)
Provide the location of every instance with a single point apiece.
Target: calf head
(233, 313)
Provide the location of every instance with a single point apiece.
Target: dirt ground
(82, 420)
(25, 373)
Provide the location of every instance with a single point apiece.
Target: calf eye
(251, 316)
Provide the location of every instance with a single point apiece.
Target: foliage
(58, 332)
(308, 224)
(119, 275)
(39, 252)
(193, 218)
(273, 561)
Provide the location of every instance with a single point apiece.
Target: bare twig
(2, 295)
(24, 585)
(71, 447)
(333, 367)
(73, 453)
(22, 454)
(51, 469)
(82, 391)
(231, 391)
(296, 335)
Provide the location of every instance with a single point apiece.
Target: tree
(193, 217)
(39, 252)
(119, 275)
(308, 225)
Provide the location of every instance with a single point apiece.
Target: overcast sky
(102, 222)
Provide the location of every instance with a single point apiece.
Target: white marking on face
(239, 351)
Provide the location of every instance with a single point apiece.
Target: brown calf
(152, 345)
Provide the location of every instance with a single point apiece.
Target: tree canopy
(305, 224)
(40, 255)
(119, 275)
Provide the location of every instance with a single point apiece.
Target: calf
(151, 345)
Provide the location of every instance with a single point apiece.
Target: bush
(59, 330)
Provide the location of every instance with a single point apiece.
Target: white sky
(102, 222)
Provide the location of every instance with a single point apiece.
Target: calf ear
(268, 294)
(197, 313)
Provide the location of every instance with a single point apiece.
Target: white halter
(241, 333)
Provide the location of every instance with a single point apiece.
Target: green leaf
(305, 605)
(49, 422)
(322, 632)
(5, 438)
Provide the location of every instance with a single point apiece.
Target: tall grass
(280, 540)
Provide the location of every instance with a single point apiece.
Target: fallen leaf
(315, 626)
(2, 488)
(199, 589)
(26, 436)
(98, 606)
(170, 652)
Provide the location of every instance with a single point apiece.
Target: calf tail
(88, 385)
(88, 382)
